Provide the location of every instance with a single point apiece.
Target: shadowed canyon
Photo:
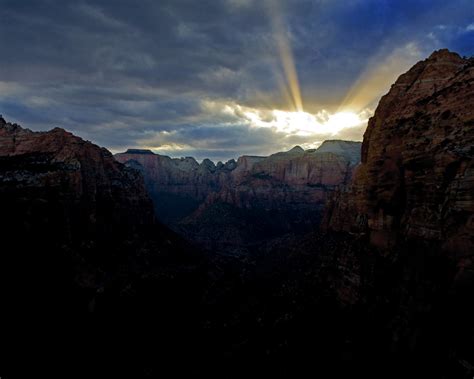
(347, 259)
(236, 206)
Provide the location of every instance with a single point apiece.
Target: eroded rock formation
(253, 199)
(292, 179)
(60, 166)
(402, 231)
(416, 180)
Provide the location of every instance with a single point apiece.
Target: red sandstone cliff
(72, 216)
(252, 200)
(83, 264)
(292, 179)
(182, 176)
(416, 180)
(78, 172)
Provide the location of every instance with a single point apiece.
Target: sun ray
(291, 82)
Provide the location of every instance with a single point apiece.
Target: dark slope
(87, 274)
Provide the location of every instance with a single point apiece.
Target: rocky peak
(278, 180)
(417, 172)
(186, 163)
(416, 88)
(139, 151)
(246, 162)
(297, 149)
(56, 164)
(336, 144)
(59, 130)
(8, 127)
(348, 149)
(444, 55)
(209, 165)
(230, 165)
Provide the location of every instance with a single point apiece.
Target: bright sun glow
(315, 126)
(342, 120)
(305, 124)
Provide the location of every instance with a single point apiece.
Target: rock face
(385, 292)
(88, 178)
(347, 149)
(177, 186)
(296, 176)
(73, 202)
(288, 188)
(403, 230)
(81, 253)
(416, 180)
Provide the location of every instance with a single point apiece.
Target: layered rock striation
(229, 206)
(36, 167)
(177, 186)
(416, 179)
(287, 179)
(402, 230)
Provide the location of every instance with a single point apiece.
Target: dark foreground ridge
(86, 271)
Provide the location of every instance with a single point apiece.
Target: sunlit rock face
(281, 174)
(252, 199)
(177, 186)
(78, 172)
(409, 212)
(290, 179)
(348, 149)
(416, 179)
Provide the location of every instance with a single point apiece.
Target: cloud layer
(206, 78)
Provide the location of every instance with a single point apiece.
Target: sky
(215, 78)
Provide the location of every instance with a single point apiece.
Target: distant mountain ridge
(350, 149)
(174, 169)
(293, 185)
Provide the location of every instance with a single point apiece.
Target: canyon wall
(385, 291)
(399, 242)
(228, 206)
(84, 263)
(37, 167)
(416, 179)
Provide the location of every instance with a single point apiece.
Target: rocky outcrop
(416, 180)
(250, 200)
(296, 178)
(179, 176)
(287, 179)
(403, 231)
(177, 186)
(83, 263)
(69, 198)
(348, 149)
(75, 171)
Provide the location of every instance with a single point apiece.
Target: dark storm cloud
(127, 73)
